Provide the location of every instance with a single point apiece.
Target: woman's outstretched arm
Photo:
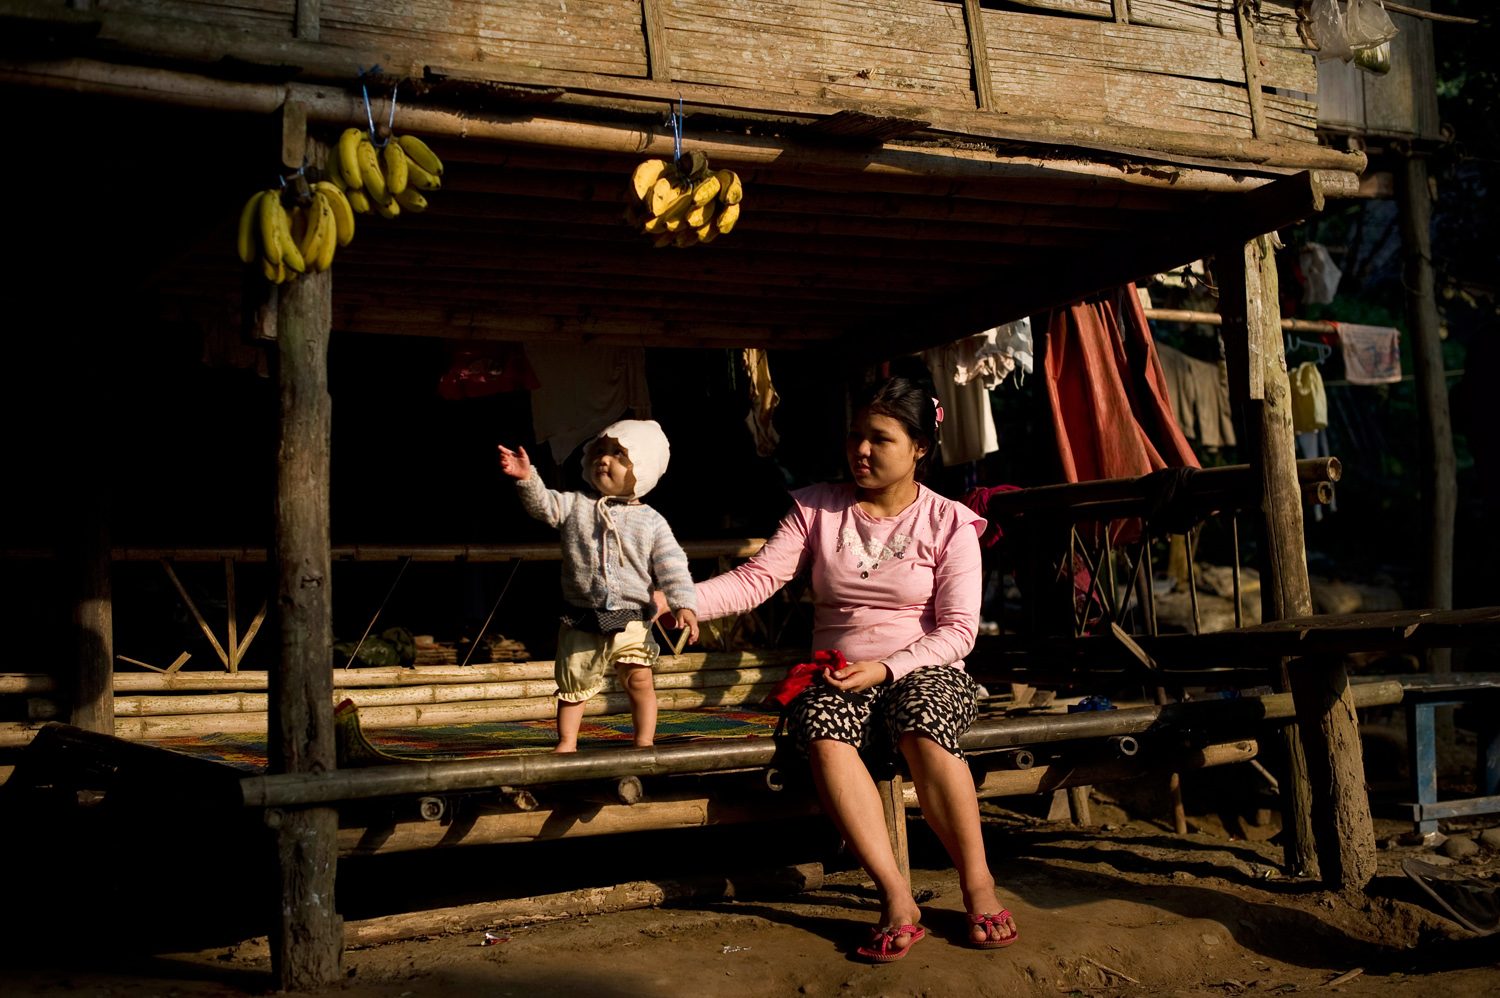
(752, 583)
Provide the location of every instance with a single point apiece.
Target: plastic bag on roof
(1369, 24)
(1343, 29)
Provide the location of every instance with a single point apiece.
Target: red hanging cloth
(1108, 395)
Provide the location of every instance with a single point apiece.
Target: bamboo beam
(684, 811)
(586, 901)
(1214, 319)
(336, 108)
(26, 684)
(1046, 779)
(574, 820)
(306, 937)
(501, 159)
(300, 790)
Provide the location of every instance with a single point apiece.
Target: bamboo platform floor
(488, 738)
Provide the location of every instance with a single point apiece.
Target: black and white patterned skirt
(938, 701)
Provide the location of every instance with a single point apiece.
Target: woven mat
(484, 738)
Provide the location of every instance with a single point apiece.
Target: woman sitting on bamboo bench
(896, 582)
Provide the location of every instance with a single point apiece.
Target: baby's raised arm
(514, 463)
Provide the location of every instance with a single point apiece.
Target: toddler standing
(616, 551)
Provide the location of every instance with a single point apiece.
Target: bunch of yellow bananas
(387, 180)
(684, 203)
(294, 242)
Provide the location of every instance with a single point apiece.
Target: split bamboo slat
(602, 36)
(530, 689)
(884, 51)
(414, 715)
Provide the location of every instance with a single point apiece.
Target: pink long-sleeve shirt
(903, 589)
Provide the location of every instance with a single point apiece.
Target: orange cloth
(1108, 395)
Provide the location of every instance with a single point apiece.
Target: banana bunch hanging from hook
(388, 180)
(683, 203)
(295, 239)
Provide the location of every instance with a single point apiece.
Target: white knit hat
(646, 446)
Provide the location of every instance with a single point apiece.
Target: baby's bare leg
(636, 678)
(569, 720)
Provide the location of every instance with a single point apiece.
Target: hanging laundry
(583, 391)
(763, 401)
(968, 431)
(1309, 398)
(1372, 354)
(1107, 391)
(1199, 392)
(1320, 275)
(992, 355)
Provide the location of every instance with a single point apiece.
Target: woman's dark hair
(909, 403)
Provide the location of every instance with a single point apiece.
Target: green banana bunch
(683, 203)
(386, 181)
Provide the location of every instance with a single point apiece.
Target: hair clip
(937, 411)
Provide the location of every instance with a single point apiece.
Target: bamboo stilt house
(913, 171)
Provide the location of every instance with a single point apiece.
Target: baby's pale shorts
(583, 659)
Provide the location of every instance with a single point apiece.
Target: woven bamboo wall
(1177, 65)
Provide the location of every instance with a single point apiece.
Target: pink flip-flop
(882, 946)
(996, 920)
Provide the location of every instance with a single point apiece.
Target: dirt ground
(1122, 908)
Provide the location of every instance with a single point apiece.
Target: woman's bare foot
(981, 900)
(899, 911)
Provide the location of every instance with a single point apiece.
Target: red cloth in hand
(800, 676)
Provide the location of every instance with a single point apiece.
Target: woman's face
(880, 451)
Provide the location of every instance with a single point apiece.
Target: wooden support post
(1336, 769)
(233, 625)
(893, 803)
(92, 687)
(1242, 297)
(307, 938)
(1439, 489)
(1330, 793)
(1078, 806)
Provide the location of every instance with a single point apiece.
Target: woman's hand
(659, 601)
(515, 463)
(857, 676)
